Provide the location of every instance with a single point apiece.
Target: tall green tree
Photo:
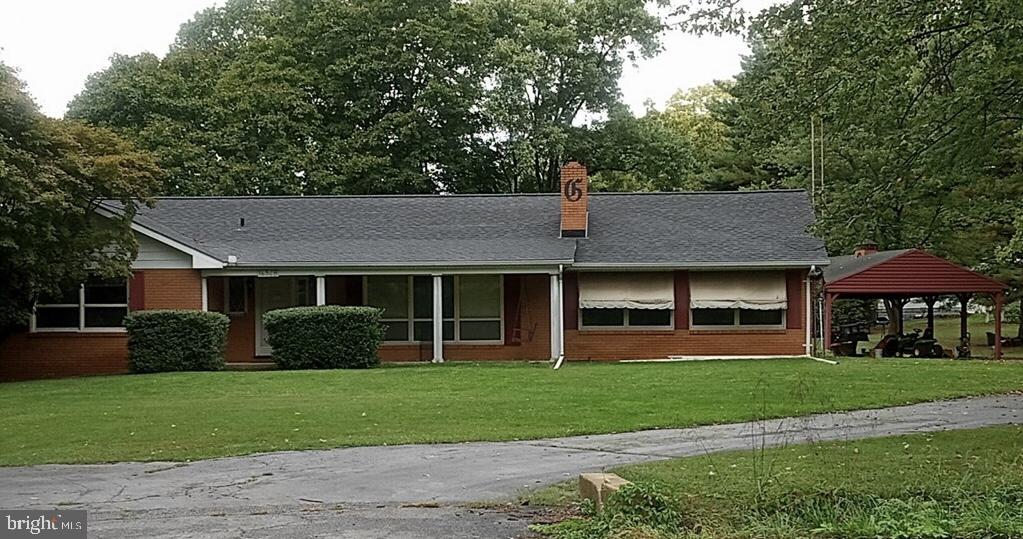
(53, 173)
(914, 110)
(551, 62)
(371, 96)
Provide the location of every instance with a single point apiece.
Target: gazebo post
(899, 305)
(999, 298)
(829, 300)
(964, 301)
(929, 300)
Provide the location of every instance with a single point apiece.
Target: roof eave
(703, 265)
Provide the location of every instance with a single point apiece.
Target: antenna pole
(824, 198)
(813, 166)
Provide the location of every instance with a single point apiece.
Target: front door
(271, 293)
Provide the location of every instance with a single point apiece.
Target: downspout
(561, 317)
(809, 321)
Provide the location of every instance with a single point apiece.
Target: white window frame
(33, 327)
(456, 321)
(736, 326)
(227, 296)
(625, 322)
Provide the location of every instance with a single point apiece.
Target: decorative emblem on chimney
(572, 191)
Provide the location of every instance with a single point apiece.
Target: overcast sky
(56, 44)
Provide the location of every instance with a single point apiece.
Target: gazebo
(904, 274)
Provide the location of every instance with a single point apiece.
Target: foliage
(635, 510)
(915, 114)
(324, 337)
(375, 96)
(552, 60)
(626, 153)
(52, 176)
(947, 484)
(457, 402)
(176, 340)
(854, 311)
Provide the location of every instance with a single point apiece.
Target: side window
(97, 305)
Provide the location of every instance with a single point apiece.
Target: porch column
(438, 319)
(999, 298)
(321, 290)
(829, 300)
(205, 295)
(556, 317)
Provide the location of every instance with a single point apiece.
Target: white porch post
(205, 295)
(321, 290)
(556, 317)
(438, 319)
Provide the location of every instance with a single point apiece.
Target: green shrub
(176, 340)
(325, 337)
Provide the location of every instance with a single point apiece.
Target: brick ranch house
(602, 276)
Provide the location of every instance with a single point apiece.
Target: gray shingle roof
(669, 229)
(703, 228)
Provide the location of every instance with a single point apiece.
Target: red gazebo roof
(903, 273)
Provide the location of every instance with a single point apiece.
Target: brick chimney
(575, 192)
(865, 248)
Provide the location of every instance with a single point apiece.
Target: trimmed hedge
(324, 337)
(176, 340)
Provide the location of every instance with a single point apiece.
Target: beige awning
(756, 290)
(627, 290)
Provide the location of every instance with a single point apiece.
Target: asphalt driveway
(416, 490)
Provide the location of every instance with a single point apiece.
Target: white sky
(56, 44)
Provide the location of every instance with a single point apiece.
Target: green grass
(184, 416)
(969, 482)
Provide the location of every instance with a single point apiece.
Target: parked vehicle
(915, 344)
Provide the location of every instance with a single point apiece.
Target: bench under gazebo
(901, 275)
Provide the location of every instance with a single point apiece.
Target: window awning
(755, 290)
(627, 290)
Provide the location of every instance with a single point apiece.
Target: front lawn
(183, 416)
(949, 484)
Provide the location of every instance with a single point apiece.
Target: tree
(915, 114)
(52, 175)
(917, 102)
(626, 153)
(551, 61)
(371, 96)
(303, 97)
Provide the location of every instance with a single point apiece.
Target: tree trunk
(1019, 330)
(893, 317)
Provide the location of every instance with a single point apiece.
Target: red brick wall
(173, 289)
(659, 344)
(27, 355)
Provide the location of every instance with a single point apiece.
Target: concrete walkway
(391, 491)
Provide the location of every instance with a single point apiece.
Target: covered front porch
(463, 314)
